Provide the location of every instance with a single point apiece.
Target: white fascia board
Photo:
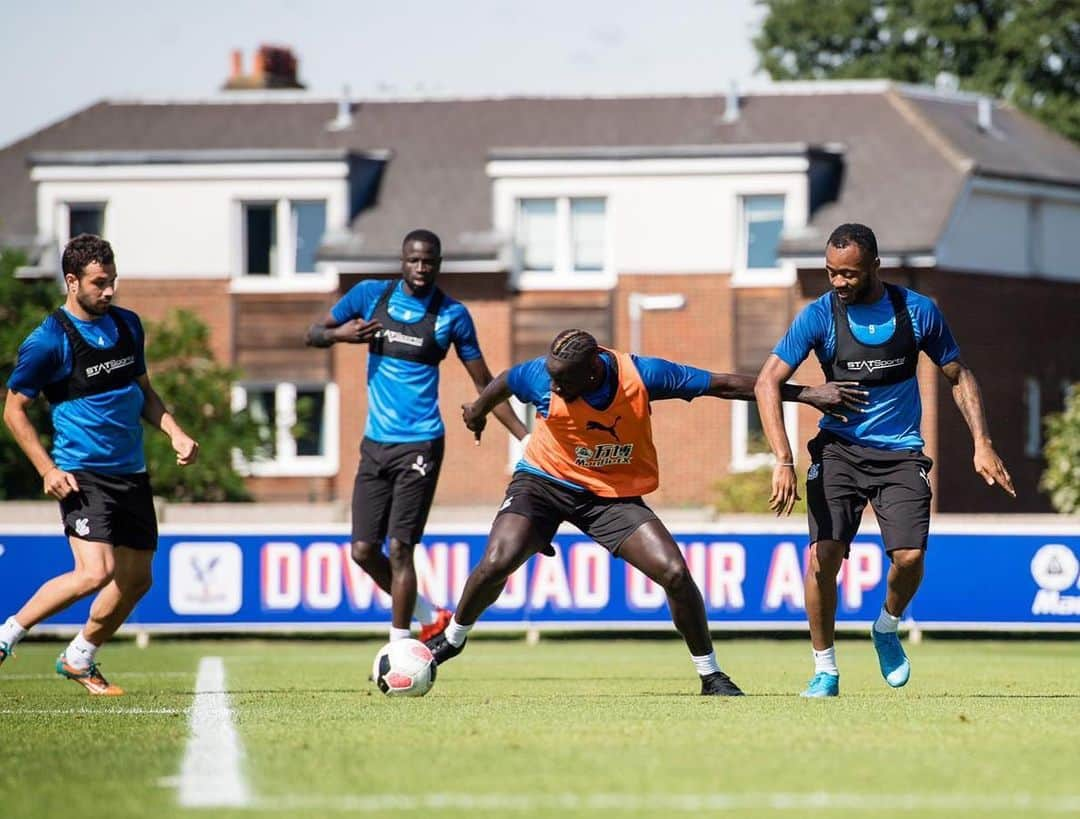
(453, 266)
(190, 171)
(1022, 189)
(682, 166)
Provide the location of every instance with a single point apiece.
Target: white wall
(183, 220)
(666, 216)
(1014, 229)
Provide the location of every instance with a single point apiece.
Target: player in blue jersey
(409, 325)
(87, 358)
(589, 460)
(868, 331)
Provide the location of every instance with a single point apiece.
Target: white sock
(825, 660)
(886, 623)
(399, 634)
(80, 652)
(456, 633)
(11, 632)
(706, 663)
(423, 611)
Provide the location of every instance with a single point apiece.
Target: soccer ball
(404, 668)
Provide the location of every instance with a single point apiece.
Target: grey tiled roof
(905, 156)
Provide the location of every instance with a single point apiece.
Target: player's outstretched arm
(968, 398)
(495, 393)
(328, 332)
(55, 481)
(839, 398)
(154, 411)
(767, 389)
(481, 377)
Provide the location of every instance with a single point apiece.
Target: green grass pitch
(565, 728)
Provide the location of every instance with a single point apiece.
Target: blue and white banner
(296, 579)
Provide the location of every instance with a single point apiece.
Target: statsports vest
(609, 452)
(414, 341)
(873, 365)
(93, 369)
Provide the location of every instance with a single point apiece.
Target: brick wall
(208, 298)
(1008, 329)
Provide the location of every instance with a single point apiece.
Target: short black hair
(422, 235)
(852, 233)
(84, 249)
(576, 346)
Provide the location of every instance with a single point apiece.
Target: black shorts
(394, 487)
(608, 521)
(115, 509)
(843, 476)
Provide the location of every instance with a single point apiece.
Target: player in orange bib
(589, 460)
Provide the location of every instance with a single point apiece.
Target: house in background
(686, 227)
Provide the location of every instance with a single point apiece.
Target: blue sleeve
(529, 381)
(935, 338)
(359, 302)
(666, 379)
(38, 363)
(463, 333)
(810, 328)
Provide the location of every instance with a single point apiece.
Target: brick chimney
(274, 67)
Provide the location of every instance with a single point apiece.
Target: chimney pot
(986, 114)
(237, 64)
(731, 104)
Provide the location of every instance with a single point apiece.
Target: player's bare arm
(838, 398)
(55, 481)
(154, 411)
(481, 378)
(767, 389)
(968, 398)
(495, 393)
(329, 332)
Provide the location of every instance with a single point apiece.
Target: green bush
(747, 493)
(1062, 452)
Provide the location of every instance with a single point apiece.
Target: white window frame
(563, 276)
(64, 217)
(515, 449)
(286, 463)
(286, 278)
(1033, 439)
(743, 461)
(743, 276)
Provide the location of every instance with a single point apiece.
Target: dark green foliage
(1062, 452)
(23, 305)
(197, 390)
(1027, 52)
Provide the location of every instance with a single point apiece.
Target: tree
(1027, 52)
(197, 391)
(23, 304)
(1062, 452)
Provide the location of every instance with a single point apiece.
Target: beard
(94, 307)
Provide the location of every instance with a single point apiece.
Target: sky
(63, 55)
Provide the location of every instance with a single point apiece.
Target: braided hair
(576, 346)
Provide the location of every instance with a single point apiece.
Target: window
(86, 217)
(1033, 427)
(749, 446)
(281, 239)
(763, 222)
(298, 426)
(562, 242)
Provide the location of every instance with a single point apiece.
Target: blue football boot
(823, 685)
(895, 667)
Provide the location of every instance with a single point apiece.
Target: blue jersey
(531, 384)
(99, 433)
(893, 416)
(403, 396)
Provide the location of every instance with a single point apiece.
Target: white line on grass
(210, 774)
(673, 803)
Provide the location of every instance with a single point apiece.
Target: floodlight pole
(638, 303)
